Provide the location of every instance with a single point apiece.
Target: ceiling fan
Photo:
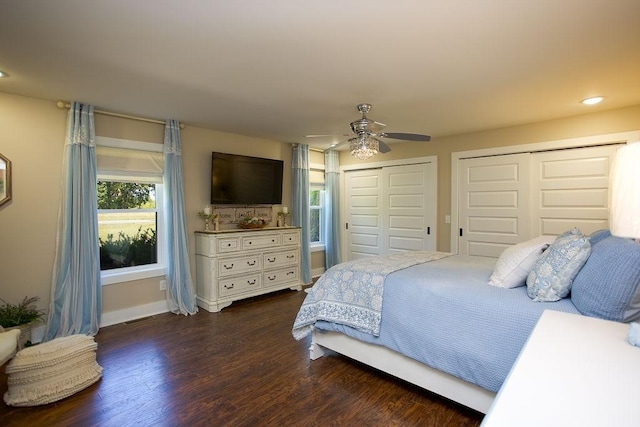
(366, 142)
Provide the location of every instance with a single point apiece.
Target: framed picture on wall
(5, 180)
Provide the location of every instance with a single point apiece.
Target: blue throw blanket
(351, 293)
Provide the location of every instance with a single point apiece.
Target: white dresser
(573, 371)
(236, 264)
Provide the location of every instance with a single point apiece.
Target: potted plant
(20, 316)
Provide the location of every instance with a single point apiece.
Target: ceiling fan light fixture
(363, 147)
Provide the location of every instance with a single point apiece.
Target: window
(316, 202)
(129, 193)
(127, 224)
(316, 206)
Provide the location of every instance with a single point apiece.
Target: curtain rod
(66, 105)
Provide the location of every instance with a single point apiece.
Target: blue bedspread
(351, 293)
(444, 314)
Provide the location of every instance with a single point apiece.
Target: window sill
(317, 247)
(110, 277)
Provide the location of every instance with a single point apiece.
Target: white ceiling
(282, 69)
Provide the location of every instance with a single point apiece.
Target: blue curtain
(180, 291)
(332, 208)
(76, 295)
(300, 202)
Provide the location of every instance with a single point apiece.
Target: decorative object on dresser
(282, 216)
(207, 215)
(251, 222)
(242, 263)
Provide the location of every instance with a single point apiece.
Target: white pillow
(516, 262)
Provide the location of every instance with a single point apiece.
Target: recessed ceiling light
(593, 100)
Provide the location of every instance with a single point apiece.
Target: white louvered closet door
(363, 195)
(508, 199)
(493, 203)
(409, 208)
(390, 210)
(569, 188)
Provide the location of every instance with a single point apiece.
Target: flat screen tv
(244, 180)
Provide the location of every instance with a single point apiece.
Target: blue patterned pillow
(552, 275)
(608, 286)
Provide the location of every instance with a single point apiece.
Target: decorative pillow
(515, 262)
(51, 371)
(597, 236)
(552, 275)
(608, 286)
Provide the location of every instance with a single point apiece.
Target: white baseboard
(132, 313)
(114, 317)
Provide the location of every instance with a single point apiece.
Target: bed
(455, 324)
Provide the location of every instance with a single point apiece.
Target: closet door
(569, 188)
(493, 203)
(363, 195)
(409, 208)
(390, 210)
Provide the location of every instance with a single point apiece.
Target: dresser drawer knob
(271, 277)
(251, 262)
(290, 256)
(228, 286)
(271, 259)
(251, 282)
(290, 272)
(228, 267)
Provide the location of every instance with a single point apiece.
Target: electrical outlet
(163, 285)
(447, 219)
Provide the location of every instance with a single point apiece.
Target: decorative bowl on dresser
(242, 263)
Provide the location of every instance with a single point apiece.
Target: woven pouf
(51, 371)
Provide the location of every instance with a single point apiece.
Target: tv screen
(244, 180)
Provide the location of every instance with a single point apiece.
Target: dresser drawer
(261, 241)
(291, 238)
(277, 259)
(233, 266)
(228, 244)
(276, 277)
(239, 285)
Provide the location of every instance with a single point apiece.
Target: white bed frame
(400, 366)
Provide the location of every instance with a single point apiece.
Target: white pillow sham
(515, 263)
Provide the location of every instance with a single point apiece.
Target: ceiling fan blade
(336, 145)
(406, 136)
(326, 136)
(382, 147)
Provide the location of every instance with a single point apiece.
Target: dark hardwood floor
(239, 367)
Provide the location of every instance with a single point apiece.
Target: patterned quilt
(350, 293)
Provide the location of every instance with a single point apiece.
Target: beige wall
(32, 135)
(619, 120)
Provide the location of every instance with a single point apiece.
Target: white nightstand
(573, 371)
